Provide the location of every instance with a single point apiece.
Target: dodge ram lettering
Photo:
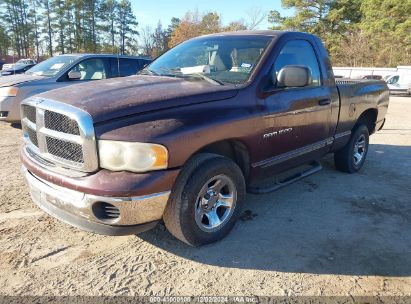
(184, 140)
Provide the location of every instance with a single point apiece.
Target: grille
(64, 149)
(344, 81)
(30, 113)
(61, 123)
(33, 137)
(52, 133)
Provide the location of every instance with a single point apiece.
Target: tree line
(34, 28)
(355, 32)
(31, 28)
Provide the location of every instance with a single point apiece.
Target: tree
(15, 19)
(388, 25)
(192, 25)
(107, 17)
(210, 23)
(59, 23)
(256, 16)
(334, 21)
(147, 41)
(159, 40)
(236, 26)
(34, 19)
(47, 29)
(4, 41)
(126, 23)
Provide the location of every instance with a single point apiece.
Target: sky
(149, 12)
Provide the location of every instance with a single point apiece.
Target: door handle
(324, 102)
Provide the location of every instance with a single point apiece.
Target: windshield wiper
(147, 72)
(206, 78)
(176, 72)
(171, 72)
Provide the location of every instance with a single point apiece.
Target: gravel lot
(329, 234)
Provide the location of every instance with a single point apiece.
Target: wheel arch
(233, 149)
(368, 118)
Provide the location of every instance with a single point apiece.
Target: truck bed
(358, 95)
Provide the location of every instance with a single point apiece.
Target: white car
(20, 62)
(399, 84)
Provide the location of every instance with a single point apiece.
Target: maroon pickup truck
(184, 140)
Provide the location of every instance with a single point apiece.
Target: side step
(279, 183)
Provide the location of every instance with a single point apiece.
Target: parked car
(16, 69)
(184, 139)
(375, 77)
(61, 71)
(399, 84)
(21, 62)
(2, 62)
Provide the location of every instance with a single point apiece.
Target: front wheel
(351, 158)
(206, 200)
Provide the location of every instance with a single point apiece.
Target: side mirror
(74, 75)
(294, 76)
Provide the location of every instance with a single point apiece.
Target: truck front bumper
(98, 214)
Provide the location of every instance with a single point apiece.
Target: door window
(299, 52)
(91, 69)
(128, 67)
(393, 80)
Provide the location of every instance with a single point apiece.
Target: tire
(347, 159)
(196, 201)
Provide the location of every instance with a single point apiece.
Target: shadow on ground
(328, 223)
(16, 125)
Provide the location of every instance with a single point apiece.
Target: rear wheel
(206, 200)
(351, 158)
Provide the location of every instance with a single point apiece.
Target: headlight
(129, 156)
(8, 91)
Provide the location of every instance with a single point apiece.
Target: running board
(314, 167)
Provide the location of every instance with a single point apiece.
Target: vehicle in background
(60, 71)
(2, 62)
(399, 84)
(19, 65)
(409, 89)
(374, 77)
(16, 69)
(183, 140)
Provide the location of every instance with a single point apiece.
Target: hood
(118, 97)
(8, 65)
(6, 81)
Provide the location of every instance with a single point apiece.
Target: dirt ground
(329, 234)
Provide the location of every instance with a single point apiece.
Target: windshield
(51, 66)
(24, 61)
(220, 59)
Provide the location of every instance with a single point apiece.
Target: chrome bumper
(79, 209)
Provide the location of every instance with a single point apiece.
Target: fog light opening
(105, 212)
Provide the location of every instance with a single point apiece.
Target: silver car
(21, 62)
(60, 71)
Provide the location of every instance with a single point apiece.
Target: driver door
(297, 121)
